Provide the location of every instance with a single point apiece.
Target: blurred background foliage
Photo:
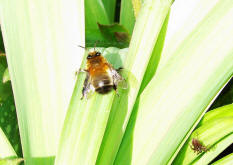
(2, 50)
(225, 97)
(107, 27)
(8, 118)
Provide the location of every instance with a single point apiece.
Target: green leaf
(86, 119)
(217, 149)
(211, 134)
(110, 6)
(6, 76)
(2, 49)
(9, 122)
(155, 57)
(215, 131)
(95, 11)
(152, 14)
(5, 88)
(127, 18)
(42, 56)
(201, 10)
(115, 33)
(150, 71)
(13, 161)
(8, 118)
(180, 92)
(221, 112)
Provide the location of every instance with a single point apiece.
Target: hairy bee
(101, 76)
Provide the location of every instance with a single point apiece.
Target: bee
(197, 146)
(101, 77)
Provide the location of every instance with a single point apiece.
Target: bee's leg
(115, 88)
(191, 146)
(81, 71)
(116, 77)
(205, 148)
(118, 71)
(118, 80)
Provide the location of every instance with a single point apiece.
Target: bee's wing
(118, 80)
(88, 88)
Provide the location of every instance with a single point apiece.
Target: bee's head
(93, 54)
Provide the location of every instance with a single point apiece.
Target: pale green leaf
(12, 161)
(152, 14)
(180, 92)
(155, 57)
(86, 119)
(215, 150)
(42, 55)
(224, 111)
(182, 23)
(213, 134)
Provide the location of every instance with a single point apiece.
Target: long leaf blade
(110, 6)
(140, 51)
(42, 56)
(86, 120)
(127, 18)
(204, 59)
(214, 132)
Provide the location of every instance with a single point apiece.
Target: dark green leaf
(8, 118)
(5, 88)
(110, 6)
(2, 49)
(127, 18)
(226, 96)
(94, 12)
(6, 76)
(116, 33)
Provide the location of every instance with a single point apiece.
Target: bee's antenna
(82, 47)
(95, 44)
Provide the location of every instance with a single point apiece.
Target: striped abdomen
(102, 83)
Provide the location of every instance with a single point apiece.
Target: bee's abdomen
(104, 89)
(103, 84)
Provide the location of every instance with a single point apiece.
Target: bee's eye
(89, 56)
(97, 54)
